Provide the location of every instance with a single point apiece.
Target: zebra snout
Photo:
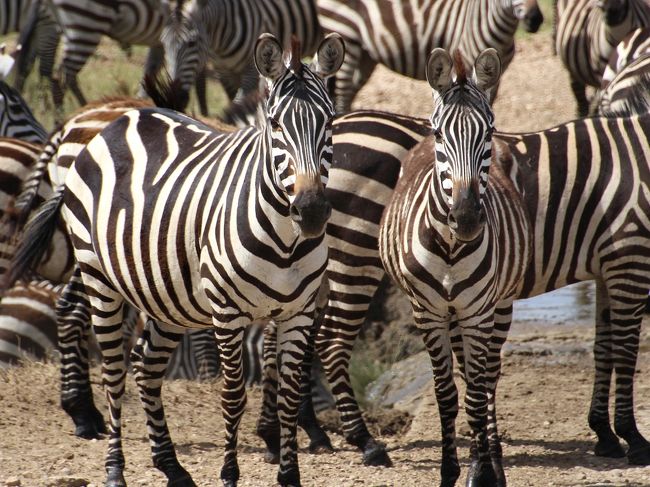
(533, 19)
(614, 11)
(310, 211)
(466, 219)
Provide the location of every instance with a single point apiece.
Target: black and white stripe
(17, 119)
(586, 35)
(400, 35)
(254, 243)
(225, 32)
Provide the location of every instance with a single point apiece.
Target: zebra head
(462, 123)
(527, 11)
(184, 42)
(614, 11)
(298, 128)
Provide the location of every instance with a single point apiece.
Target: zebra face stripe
(299, 117)
(463, 123)
(527, 11)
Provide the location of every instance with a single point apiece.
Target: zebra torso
(219, 202)
(17, 119)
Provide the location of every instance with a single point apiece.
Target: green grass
(108, 73)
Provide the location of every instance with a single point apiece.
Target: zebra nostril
(294, 212)
(451, 221)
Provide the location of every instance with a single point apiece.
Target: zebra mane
(165, 92)
(459, 67)
(295, 63)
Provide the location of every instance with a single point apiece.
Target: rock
(66, 482)
(12, 482)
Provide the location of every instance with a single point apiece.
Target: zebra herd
(143, 218)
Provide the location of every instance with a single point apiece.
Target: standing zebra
(250, 205)
(400, 35)
(455, 237)
(17, 119)
(586, 35)
(126, 21)
(225, 32)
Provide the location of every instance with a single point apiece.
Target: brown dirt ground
(543, 399)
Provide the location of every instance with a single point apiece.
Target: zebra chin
(466, 222)
(310, 211)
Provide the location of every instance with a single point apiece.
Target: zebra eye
(275, 125)
(438, 135)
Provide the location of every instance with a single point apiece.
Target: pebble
(13, 482)
(66, 482)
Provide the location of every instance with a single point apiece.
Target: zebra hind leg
(268, 424)
(76, 393)
(149, 358)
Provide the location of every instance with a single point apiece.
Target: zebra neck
(492, 25)
(436, 210)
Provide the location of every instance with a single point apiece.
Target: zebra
(37, 18)
(456, 239)
(17, 119)
(627, 92)
(277, 175)
(83, 25)
(401, 35)
(634, 45)
(28, 322)
(586, 35)
(226, 32)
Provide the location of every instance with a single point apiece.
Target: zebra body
(225, 32)
(587, 34)
(244, 268)
(400, 35)
(17, 119)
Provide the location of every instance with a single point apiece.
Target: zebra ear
(487, 69)
(329, 56)
(439, 67)
(268, 57)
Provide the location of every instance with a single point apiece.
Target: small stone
(67, 482)
(13, 482)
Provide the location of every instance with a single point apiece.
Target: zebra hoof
(481, 474)
(272, 457)
(609, 449)
(374, 455)
(87, 431)
(182, 480)
(320, 446)
(115, 478)
(639, 455)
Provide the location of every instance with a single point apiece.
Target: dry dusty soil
(543, 398)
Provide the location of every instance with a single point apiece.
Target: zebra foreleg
(438, 345)
(626, 329)
(233, 394)
(73, 328)
(149, 358)
(579, 92)
(608, 444)
(268, 424)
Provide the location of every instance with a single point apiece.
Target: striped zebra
(634, 45)
(28, 322)
(225, 32)
(627, 92)
(36, 17)
(400, 35)
(456, 239)
(83, 25)
(587, 34)
(276, 174)
(17, 119)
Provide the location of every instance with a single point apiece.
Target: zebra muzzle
(310, 211)
(467, 217)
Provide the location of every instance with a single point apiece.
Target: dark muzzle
(467, 216)
(311, 210)
(614, 12)
(533, 19)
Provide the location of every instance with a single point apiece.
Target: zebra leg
(293, 339)
(579, 92)
(343, 317)
(149, 359)
(200, 86)
(625, 320)
(608, 444)
(152, 65)
(73, 327)
(353, 74)
(233, 394)
(438, 345)
(476, 334)
(268, 424)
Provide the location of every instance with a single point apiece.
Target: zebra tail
(35, 240)
(165, 92)
(246, 111)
